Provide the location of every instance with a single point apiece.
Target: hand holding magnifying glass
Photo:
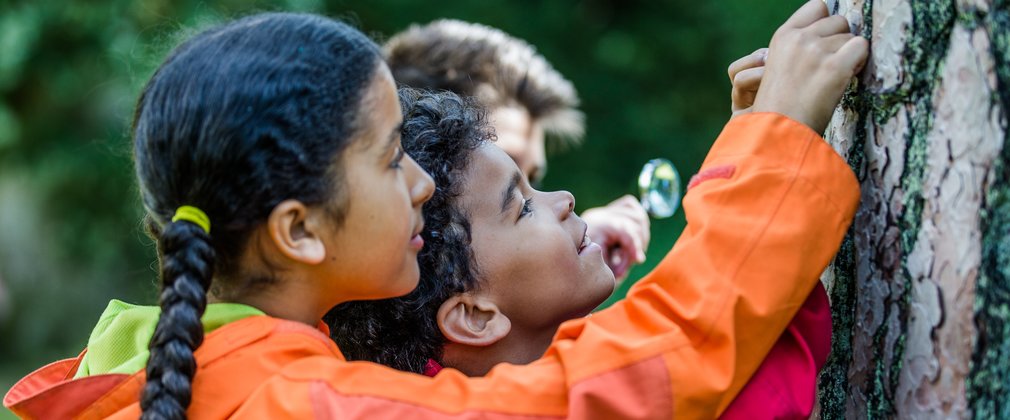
(622, 227)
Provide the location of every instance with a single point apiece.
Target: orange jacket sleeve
(762, 225)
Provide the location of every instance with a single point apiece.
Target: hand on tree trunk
(810, 61)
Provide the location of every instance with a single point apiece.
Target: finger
(618, 257)
(835, 42)
(619, 263)
(831, 25)
(606, 238)
(640, 218)
(633, 208)
(749, 80)
(853, 54)
(641, 242)
(637, 214)
(607, 258)
(633, 236)
(742, 99)
(807, 14)
(754, 59)
(626, 242)
(626, 200)
(644, 232)
(645, 239)
(636, 221)
(631, 247)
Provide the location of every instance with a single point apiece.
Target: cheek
(382, 222)
(552, 265)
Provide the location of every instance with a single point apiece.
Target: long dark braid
(187, 265)
(237, 119)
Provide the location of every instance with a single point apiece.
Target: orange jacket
(765, 216)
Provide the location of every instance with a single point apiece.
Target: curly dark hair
(440, 131)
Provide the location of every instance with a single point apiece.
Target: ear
(472, 320)
(295, 233)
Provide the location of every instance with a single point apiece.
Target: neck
(289, 300)
(274, 284)
(519, 347)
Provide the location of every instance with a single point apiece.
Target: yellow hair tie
(193, 215)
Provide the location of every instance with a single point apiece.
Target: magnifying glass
(659, 188)
(659, 194)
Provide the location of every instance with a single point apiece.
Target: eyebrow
(508, 197)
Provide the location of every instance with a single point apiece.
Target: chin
(601, 289)
(607, 291)
(407, 283)
(605, 274)
(589, 307)
(611, 285)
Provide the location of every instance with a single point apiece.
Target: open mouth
(586, 240)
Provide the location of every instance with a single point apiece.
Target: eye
(527, 207)
(397, 158)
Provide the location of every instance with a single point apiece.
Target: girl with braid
(269, 162)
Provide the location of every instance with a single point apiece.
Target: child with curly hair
(498, 275)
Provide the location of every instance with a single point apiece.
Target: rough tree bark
(921, 287)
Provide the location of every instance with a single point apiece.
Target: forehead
(380, 113)
(487, 175)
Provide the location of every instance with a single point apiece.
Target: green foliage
(651, 76)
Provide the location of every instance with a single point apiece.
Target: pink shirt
(785, 385)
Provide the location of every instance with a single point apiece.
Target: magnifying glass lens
(659, 186)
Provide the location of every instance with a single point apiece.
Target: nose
(420, 183)
(564, 204)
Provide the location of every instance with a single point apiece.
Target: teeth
(585, 242)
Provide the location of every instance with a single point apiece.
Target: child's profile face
(529, 245)
(373, 253)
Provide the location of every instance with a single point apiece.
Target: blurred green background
(651, 75)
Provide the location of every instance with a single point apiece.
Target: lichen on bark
(988, 385)
(871, 283)
(925, 50)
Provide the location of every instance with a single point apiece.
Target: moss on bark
(988, 384)
(929, 38)
(833, 381)
(932, 22)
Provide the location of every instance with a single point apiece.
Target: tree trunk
(920, 289)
